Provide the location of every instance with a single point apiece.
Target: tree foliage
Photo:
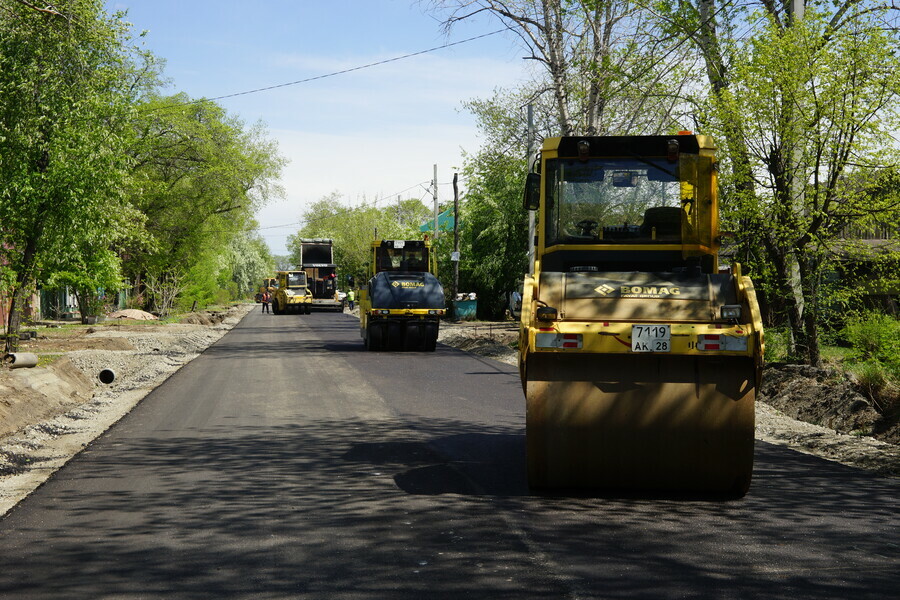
(604, 66)
(100, 176)
(64, 105)
(803, 107)
(249, 262)
(199, 176)
(495, 234)
(806, 108)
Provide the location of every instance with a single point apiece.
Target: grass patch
(835, 354)
(45, 360)
(777, 344)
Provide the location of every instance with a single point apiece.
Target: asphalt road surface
(288, 462)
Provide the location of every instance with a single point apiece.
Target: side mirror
(532, 191)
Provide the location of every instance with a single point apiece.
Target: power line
(335, 73)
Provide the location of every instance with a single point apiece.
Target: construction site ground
(49, 413)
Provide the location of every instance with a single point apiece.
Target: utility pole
(531, 223)
(455, 255)
(434, 188)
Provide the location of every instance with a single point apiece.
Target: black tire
(430, 342)
(375, 337)
(430, 331)
(413, 338)
(396, 335)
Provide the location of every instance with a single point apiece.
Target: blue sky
(370, 133)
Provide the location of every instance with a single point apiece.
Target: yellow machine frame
(599, 413)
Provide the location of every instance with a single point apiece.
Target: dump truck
(401, 307)
(640, 356)
(291, 293)
(317, 259)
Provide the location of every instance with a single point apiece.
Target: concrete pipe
(107, 376)
(18, 360)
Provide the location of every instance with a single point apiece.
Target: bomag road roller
(291, 294)
(639, 357)
(401, 307)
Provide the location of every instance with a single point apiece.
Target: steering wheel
(586, 226)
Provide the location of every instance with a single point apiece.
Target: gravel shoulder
(75, 408)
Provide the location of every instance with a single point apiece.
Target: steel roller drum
(626, 422)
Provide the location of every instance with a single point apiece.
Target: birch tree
(602, 61)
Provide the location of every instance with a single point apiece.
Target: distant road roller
(640, 358)
(291, 293)
(401, 307)
(270, 284)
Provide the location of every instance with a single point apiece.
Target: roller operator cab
(402, 305)
(291, 293)
(639, 358)
(269, 284)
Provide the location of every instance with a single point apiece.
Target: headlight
(731, 311)
(546, 313)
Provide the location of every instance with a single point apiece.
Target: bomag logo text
(408, 284)
(648, 291)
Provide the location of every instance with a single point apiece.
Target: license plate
(651, 338)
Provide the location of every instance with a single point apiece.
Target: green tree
(199, 177)
(494, 252)
(91, 276)
(65, 99)
(806, 108)
(250, 262)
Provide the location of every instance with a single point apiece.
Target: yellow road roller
(291, 293)
(639, 356)
(270, 284)
(401, 307)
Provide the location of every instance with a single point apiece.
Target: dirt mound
(32, 395)
(132, 313)
(824, 397)
(206, 318)
(196, 319)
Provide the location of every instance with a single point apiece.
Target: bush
(879, 385)
(875, 337)
(777, 344)
(872, 377)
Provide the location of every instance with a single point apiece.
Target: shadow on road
(400, 509)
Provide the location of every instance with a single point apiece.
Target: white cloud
(360, 167)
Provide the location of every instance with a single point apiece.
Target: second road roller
(401, 307)
(639, 355)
